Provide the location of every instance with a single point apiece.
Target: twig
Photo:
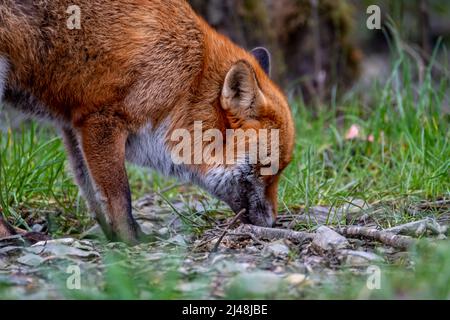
(433, 205)
(419, 227)
(204, 242)
(276, 234)
(393, 240)
(247, 234)
(216, 246)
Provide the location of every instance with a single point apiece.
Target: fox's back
(97, 64)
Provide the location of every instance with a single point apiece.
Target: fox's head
(257, 113)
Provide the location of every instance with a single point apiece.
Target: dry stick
(276, 234)
(413, 228)
(396, 241)
(216, 246)
(249, 235)
(393, 240)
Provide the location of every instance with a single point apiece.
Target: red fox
(120, 84)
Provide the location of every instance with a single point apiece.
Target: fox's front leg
(83, 179)
(103, 141)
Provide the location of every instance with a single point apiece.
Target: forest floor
(242, 264)
(364, 210)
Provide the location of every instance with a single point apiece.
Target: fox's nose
(263, 220)
(269, 221)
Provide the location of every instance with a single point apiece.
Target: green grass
(410, 155)
(408, 161)
(33, 179)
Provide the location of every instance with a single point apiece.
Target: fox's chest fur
(148, 148)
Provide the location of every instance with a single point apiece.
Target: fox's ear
(240, 91)
(263, 56)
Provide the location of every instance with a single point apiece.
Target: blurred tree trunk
(311, 49)
(425, 32)
(246, 22)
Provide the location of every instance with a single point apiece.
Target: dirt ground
(227, 260)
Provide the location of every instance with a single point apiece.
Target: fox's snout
(259, 210)
(259, 205)
(261, 218)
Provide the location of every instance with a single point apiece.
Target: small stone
(147, 227)
(252, 249)
(296, 279)
(229, 266)
(354, 206)
(257, 284)
(279, 270)
(360, 258)
(30, 259)
(37, 227)
(218, 258)
(327, 239)
(278, 249)
(163, 231)
(178, 240)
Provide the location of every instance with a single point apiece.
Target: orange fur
(133, 62)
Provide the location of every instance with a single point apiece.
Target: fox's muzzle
(261, 215)
(241, 189)
(258, 211)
